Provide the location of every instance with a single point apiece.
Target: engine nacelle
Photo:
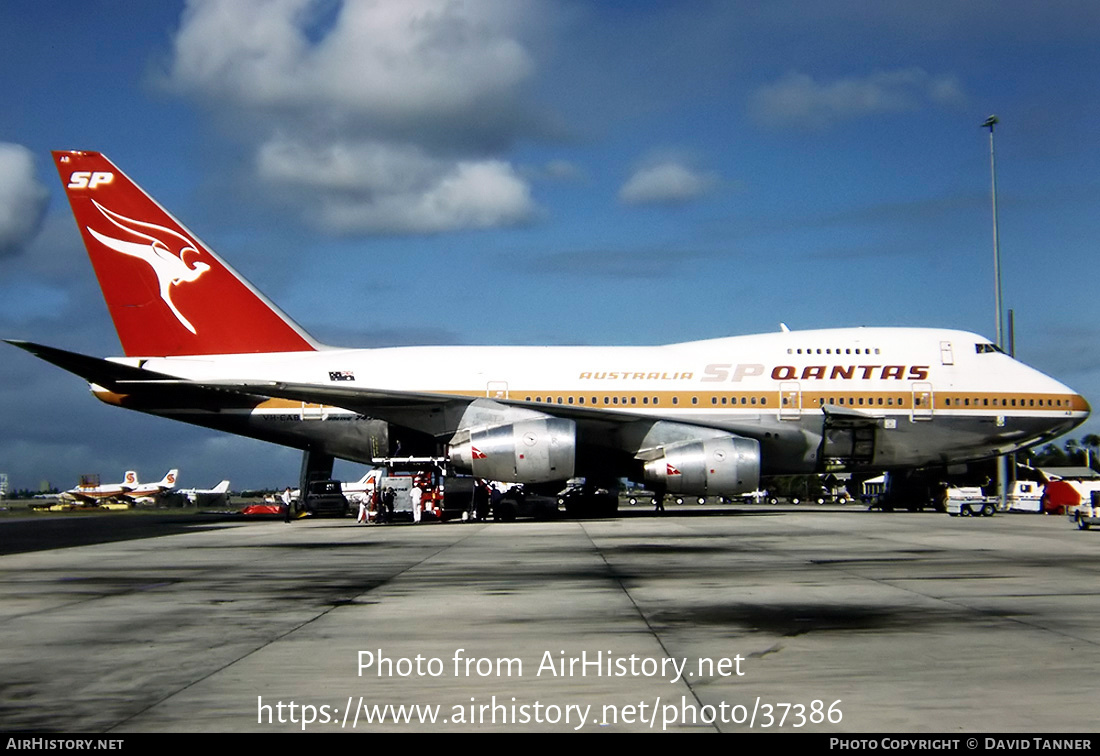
(539, 450)
(722, 466)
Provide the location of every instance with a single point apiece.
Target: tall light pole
(989, 124)
(1002, 477)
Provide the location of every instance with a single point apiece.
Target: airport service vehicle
(441, 497)
(600, 502)
(1087, 513)
(444, 497)
(325, 497)
(970, 500)
(699, 418)
(1025, 496)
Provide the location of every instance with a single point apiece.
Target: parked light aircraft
(363, 489)
(707, 417)
(129, 490)
(207, 497)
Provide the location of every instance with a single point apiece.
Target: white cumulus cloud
(799, 100)
(396, 60)
(372, 116)
(23, 198)
(668, 182)
(376, 186)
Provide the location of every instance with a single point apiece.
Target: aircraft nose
(1072, 409)
(1055, 408)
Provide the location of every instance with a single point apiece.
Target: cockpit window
(987, 348)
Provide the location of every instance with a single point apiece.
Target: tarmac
(744, 619)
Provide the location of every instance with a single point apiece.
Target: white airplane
(362, 489)
(129, 490)
(207, 497)
(699, 418)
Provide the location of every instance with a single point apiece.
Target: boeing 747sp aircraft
(708, 417)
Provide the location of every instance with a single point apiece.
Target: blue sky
(526, 172)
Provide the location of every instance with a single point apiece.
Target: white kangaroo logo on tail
(169, 266)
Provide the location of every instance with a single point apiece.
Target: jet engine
(721, 466)
(538, 450)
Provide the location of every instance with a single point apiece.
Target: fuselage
(855, 398)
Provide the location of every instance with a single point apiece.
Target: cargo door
(847, 442)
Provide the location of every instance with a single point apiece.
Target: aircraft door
(496, 389)
(790, 401)
(947, 355)
(922, 401)
(312, 411)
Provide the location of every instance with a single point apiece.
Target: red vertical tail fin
(168, 293)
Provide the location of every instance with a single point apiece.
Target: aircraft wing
(396, 406)
(433, 413)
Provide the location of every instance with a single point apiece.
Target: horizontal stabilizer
(92, 369)
(165, 390)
